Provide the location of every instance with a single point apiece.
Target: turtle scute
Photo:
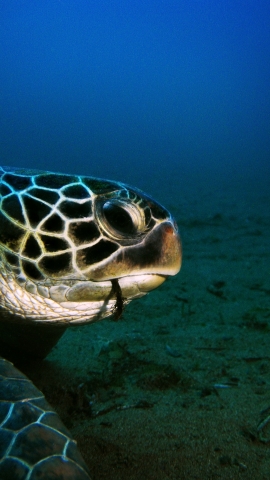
(34, 443)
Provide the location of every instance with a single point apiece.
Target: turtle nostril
(169, 229)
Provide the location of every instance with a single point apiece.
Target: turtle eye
(121, 219)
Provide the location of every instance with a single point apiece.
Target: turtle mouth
(120, 299)
(144, 282)
(117, 293)
(132, 286)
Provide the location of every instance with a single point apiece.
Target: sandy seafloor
(178, 387)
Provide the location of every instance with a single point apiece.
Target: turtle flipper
(34, 443)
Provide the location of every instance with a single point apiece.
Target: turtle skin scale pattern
(49, 226)
(34, 443)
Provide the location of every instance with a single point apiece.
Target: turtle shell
(34, 443)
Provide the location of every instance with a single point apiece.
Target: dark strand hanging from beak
(119, 304)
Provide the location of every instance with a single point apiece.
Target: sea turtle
(73, 250)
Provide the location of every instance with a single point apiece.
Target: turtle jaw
(132, 286)
(92, 301)
(144, 283)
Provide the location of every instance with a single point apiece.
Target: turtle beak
(162, 252)
(169, 261)
(159, 253)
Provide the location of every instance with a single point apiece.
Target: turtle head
(67, 241)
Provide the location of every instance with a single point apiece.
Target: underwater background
(172, 97)
(150, 93)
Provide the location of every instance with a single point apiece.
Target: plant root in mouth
(119, 304)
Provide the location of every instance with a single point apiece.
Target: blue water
(156, 94)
